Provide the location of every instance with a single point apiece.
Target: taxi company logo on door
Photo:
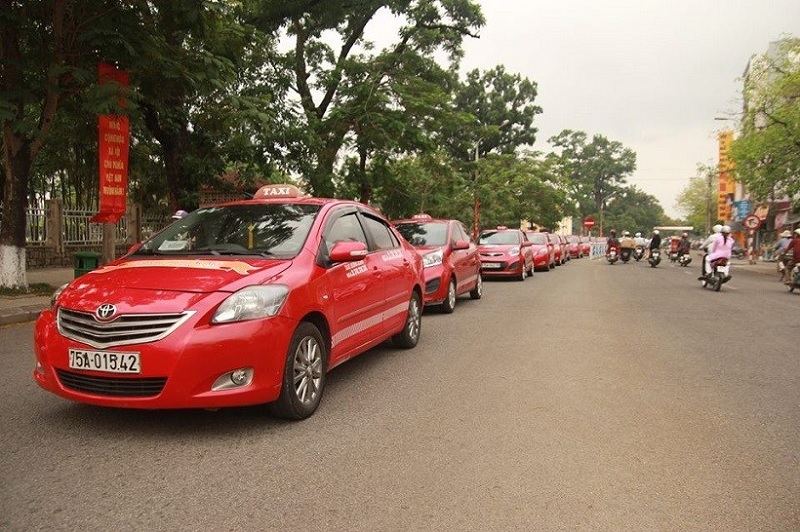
(356, 268)
(392, 255)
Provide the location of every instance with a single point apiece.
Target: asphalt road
(592, 397)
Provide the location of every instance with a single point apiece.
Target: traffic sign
(752, 222)
(588, 222)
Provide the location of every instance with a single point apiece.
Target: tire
(477, 292)
(449, 303)
(522, 275)
(718, 280)
(530, 270)
(409, 336)
(303, 375)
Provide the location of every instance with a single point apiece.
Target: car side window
(345, 228)
(381, 233)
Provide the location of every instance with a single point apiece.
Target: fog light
(239, 377)
(233, 379)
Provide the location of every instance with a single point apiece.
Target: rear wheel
(449, 303)
(409, 336)
(477, 292)
(303, 374)
(718, 280)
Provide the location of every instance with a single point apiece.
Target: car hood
(165, 284)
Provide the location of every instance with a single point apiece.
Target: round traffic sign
(588, 222)
(752, 222)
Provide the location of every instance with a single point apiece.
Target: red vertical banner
(113, 142)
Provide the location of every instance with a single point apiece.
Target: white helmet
(638, 235)
(797, 231)
(717, 228)
(626, 233)
(655, 232)
(726, 228)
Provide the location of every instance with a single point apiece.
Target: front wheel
(449, 303)
(523, 274)
(477, 292)
(409, 336)
(303, 374)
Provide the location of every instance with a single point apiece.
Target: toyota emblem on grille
(105, 312)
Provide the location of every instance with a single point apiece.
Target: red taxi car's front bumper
(177, 371)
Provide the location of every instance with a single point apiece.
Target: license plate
(491, 265)
(110, 361)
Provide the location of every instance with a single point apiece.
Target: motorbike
(794, 280)
(638, 253)
(654, 258)
(718, 274)
(684, 259)
(612, 256)
(625, 254)
(673, 256)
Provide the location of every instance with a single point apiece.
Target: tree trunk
(17, 165)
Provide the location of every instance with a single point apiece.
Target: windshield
(269, 230)
(499, 237)
(424, 234)
(573, 239)
(537, 238)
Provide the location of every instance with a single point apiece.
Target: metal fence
(77, 229)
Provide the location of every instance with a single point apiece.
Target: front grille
(112, 386)
(123, 330)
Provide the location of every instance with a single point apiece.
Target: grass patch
(34, 289)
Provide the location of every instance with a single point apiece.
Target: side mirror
(461, 244)
(348, 251)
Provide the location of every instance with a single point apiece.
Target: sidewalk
(20, 309)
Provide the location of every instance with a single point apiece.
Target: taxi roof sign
(421, 216)
(278, 191)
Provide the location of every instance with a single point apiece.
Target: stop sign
(588, 222)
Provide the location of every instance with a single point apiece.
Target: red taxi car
(574, 246)
(451, 260)
(505, 253)
(243, 303)
(543, 256)
(557, 247)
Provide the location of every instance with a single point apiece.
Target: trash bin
(85, 261)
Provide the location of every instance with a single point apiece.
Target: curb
(21, 314)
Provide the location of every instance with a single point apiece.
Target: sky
(651, 74)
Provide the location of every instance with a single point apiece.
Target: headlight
(433, 258)
(252, 303)
(514, 251)
(57, 293)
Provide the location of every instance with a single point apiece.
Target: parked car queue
(252, 302)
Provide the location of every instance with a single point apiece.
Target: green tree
(697, 201)
(340, 91)
(593, 171)
(634, 210)
(767, 153)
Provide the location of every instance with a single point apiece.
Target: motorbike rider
(683, 245)
(721, 247)
(626, 243)
(792, 254)
(707, 245)
(612, 242)
(777, 250)
(639, 240)
(655, 241)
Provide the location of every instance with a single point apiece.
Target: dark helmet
(613, 231)
(684, 235)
